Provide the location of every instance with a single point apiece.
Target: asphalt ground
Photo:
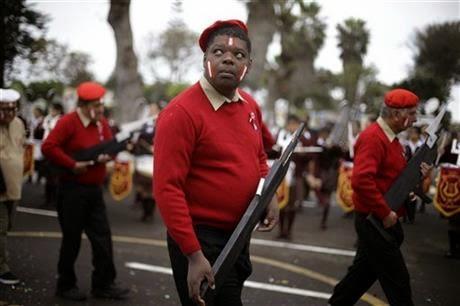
(300, 272)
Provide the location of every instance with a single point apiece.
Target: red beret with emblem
(90, 91)
(203, 40)
(401, 98)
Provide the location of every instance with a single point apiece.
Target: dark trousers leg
(98, 231)
(212, 242)
(375, 259)
(359, 279)
(148, 206)
(71, 215)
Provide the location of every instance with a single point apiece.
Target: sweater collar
(386, 129)
(216, 98)
(85, 120)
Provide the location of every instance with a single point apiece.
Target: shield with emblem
(282, 194)
(28, 159)
(121, 180)
(447, 197)
(344, 191)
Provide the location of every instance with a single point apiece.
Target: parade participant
(449, 158)
(55, 113)
(142, 149)
(80, 204)
(209, 158)
(294, 177)
(36, 138)
(322, 173)
(12, 135)
(379, 159)
(413, 142)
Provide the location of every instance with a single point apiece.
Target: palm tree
(353, 41)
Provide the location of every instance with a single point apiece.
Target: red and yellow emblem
(121, 180)
(344, 191)
(28, 159)
(447, 197)
(282, 194)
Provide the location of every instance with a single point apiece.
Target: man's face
(292, 126)
(407, 117)
(7, 112)
(93, 110)
(226, 62)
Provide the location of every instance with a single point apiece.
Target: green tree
(438, 50)
(302, 33)
(163, 91)
(43, 90)
(75, 69)
(21, 35)
(174, 49)
(436, 61)
(56, 64)
(353, 40)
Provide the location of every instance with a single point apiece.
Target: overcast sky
(83, 26)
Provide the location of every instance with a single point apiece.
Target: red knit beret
(401, 98)
(203, 40)
(90, 91)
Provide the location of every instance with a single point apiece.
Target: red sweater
(377, 164)
(70, 136)
(207, 163)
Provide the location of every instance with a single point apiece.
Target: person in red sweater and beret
(209, 159)
(379, 160)
(80, 203)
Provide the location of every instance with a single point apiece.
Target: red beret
(203, 40)
(401, 98)
(90, 91)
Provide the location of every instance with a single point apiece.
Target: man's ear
(204, 59)
(249, 64)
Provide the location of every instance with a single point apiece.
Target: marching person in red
(80, 203)
(379, 160)
(209, 159)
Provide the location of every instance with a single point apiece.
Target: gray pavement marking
(302, 247)
(262, 260)
(36, 211)
(255, 241)
(248, 284)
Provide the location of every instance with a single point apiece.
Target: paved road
(301, 272)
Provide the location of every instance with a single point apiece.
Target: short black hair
(292, 117)
(232, 31)
(58, 107)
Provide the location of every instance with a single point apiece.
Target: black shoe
(111, 292)
(426, 199)
(9, 278)
(452, 255)
(72, 294)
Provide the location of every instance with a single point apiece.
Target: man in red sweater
(80, 204)
(209, 158)
(379, 159)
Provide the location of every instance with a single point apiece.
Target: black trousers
(82, 208)
(376, 259)
(212, 242)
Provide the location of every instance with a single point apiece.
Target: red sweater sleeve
(262, 154)
(369, 153)
(52, 147)
(174, 141)
(267, 137)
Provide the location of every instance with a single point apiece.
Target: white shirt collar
(216, 98)
(386, 129)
